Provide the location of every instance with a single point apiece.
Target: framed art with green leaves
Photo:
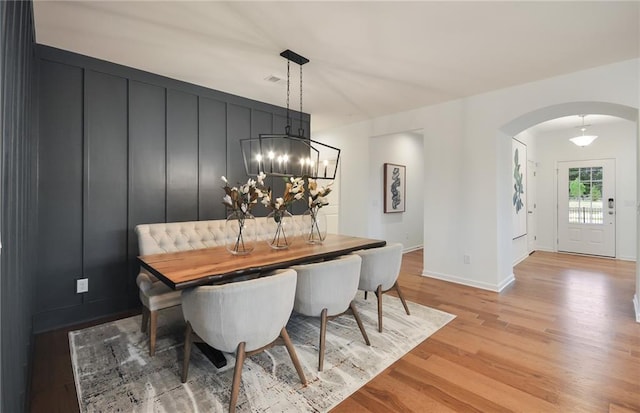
(518, 190)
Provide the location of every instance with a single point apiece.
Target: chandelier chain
(301, 130)
(288, 89)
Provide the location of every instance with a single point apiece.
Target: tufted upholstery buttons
(182, 236)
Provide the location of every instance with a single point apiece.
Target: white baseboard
(507, 282)
(520, 259)
(545, 249)
(636, 306)
(466, 281)
(409, 249)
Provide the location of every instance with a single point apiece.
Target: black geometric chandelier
(290, 154)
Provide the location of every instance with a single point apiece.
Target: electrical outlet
(467, 259)
(82, 285)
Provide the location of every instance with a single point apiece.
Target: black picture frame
(395, 188)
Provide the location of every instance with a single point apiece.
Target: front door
(586, 207)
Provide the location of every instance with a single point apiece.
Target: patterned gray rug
(114, 373)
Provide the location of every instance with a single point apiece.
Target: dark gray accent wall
(18, 142)
(121, 147)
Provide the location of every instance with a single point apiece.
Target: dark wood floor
(562, 338)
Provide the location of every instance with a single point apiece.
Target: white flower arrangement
(293, 191)
(244, 197)
(317, 194)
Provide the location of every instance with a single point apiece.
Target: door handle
(611, 212)
(530, 212)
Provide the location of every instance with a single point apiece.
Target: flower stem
(240, 238)
(279, 232)
(313, 213)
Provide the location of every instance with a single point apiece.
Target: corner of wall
(506, 282)
(468, 282)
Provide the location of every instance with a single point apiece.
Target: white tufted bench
(192, 235)
(181, 236)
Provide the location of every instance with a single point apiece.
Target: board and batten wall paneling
(182, 156)
(238, 127)
(122, 147)
(18, 183)
(147, 146)
(60, 171)
(212, 154)
(105, 183)
(147, 160)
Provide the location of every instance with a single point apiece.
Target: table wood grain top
(191, 268)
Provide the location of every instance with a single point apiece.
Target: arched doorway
(532, 118)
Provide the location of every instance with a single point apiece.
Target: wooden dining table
(185, 269)
(216, 265)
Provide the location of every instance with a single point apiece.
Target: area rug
(114, 373)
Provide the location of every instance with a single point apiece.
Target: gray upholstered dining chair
(155, 296)
(244, 317)
(379, 273)
(326, 290)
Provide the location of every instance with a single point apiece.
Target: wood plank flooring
(562, 338)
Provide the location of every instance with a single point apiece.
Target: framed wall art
(519, 188)
(395, 179)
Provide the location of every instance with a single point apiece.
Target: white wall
(467, 152)
(615, 141)
(406, 227)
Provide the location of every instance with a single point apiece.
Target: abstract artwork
(394, 187)
(518, 190)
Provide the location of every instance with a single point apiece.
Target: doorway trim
(527, 120)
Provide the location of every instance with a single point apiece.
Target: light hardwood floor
(562, 338)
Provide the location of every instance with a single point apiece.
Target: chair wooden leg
(237, 374)
(293, 355)
(145, 319)
(323, 333)
(188, 341)
(404, 303)
(153, 324)
(352, 306)
(379, 296)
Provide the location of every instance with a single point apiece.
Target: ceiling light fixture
(583, 140)
(270, 153)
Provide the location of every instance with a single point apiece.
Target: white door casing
(586, 207)
(531, 206)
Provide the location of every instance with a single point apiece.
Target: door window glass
(585, 196)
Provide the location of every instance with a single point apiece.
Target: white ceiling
(367, 58)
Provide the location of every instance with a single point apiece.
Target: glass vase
(240, 232)
(314, 226)
(280, 225)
